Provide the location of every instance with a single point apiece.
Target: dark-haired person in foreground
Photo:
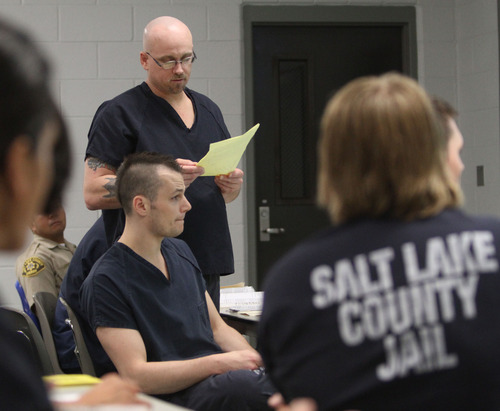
(146, 300)
(396, 306)
(34, 165)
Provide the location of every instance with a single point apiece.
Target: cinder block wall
(95, 44)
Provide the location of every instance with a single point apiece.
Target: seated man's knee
(237, 390)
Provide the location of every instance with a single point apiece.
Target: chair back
(29, 337)
(45, 304)
(26, 306)
(81, 352)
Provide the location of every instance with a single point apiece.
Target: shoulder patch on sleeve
(33, 266)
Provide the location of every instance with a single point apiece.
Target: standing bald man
(163, 115)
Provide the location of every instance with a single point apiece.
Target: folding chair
(29, 337)
(81, 351)
(45, 304)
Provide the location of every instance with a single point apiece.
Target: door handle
(264, 225)
(274, 230)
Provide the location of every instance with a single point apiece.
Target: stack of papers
(241, 299)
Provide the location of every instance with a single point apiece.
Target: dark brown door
(296, 68)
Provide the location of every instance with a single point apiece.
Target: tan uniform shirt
(43, 265)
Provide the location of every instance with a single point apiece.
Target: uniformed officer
(43, 265)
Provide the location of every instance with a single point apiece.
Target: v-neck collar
(142, 260)
(169, 107)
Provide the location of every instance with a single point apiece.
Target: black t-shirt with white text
(383, 314)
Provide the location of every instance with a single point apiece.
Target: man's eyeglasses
(185, 62)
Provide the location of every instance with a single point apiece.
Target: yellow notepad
(65, 380)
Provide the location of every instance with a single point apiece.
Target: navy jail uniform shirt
(138, 120)
(388, 315)
(125, 291)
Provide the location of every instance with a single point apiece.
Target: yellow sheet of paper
(63, 380)
(224, 156)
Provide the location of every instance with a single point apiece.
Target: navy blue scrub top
(124, 290)
(138, 120)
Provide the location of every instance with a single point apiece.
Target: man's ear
(141, 205)
(33, 227)
(19, 169)
(144, 60)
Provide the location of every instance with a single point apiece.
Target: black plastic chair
(81, 352)
(45, 305)
(29, 337)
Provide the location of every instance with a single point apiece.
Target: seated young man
(43, 265)
(145, 298)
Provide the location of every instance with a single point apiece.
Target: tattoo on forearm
(94, 163)
(110, 186)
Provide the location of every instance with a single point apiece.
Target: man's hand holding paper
(190, 170)
(230, 184)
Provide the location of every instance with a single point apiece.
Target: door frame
(254, 15)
